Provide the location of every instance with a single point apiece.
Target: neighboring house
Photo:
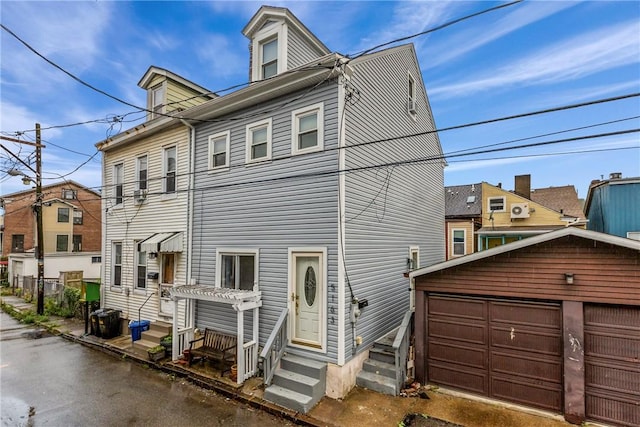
(71, 219)
(612, 206)
(511, 216)
(463, 218)
(292, 210)
(551, 322)
(146, 181)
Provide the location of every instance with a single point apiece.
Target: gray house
(314, 190)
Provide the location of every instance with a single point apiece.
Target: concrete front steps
(152, 337)
(379, 371)
(298, 383)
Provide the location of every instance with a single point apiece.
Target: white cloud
(221, 55)
(586, 54)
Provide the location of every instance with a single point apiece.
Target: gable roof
(463, 200)
(561, 199)
(530, 241)
(157, 71)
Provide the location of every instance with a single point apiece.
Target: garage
(550, 322)
(504, 349)
(612, 363)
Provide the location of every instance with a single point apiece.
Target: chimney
(523, 186)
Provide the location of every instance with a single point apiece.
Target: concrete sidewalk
(360, 407)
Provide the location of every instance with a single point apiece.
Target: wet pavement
(121, 384)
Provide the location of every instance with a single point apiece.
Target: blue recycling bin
(137, 326)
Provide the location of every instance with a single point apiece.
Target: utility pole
(40, 248)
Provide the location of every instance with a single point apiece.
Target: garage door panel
(457, 308)
(470, 332)
(612, 408)
(525, 314)
(539, 394)
(531, 368)
(611, 344)
(448, 374)
(527, 339)
(606, 375)
(459, 354)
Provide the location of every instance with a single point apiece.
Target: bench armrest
(195, 341)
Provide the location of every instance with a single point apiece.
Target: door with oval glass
(307, 299)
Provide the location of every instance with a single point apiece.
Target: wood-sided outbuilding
(551, 322)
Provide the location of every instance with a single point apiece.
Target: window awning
(162, 242)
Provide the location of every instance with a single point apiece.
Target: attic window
(269, 58)
(157, 100)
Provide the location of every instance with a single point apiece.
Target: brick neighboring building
(72, 219)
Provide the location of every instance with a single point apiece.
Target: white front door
(166, 283)
(307, 298)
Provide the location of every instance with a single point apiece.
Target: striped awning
(162, 242)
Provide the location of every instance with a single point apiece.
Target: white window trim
(248, 135)
(464, 243)
(212, 138)
(411, 101)
(416, 250)
(136, 288)
(153, 114)
(238, 251)
(169, 195)
(276, 30)
(115, 184)
(138, 171)
(113, 264)
(301, 251)
(504, 203)
(317, 108)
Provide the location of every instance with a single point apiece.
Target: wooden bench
(216, 346)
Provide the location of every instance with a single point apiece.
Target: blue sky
(532, 56)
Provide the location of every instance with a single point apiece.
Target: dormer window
(269, 58)
(157, 100)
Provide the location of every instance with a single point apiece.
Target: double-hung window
(118, 183)
(237, 269)
(157, 100)
(141, 171)
(269, 58)
(170, 165)
(219, 150)
(77, 217)
(116, 259)
(141, 269)
(259, 141)
(459, 242)
(69, 194)
(62, 243)
(308, 129)
(17, 243)
(63, 214)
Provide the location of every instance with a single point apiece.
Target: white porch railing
(250, 349)
(401, 349)
(274, 349)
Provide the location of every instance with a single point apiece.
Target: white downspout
(192, 161)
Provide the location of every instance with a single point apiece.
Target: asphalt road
(48, 381)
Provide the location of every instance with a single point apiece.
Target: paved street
(66, 384)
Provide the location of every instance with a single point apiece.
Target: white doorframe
(414, 256)
(321, 253)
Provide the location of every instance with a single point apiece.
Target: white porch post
(240, 348)
(174, 331)
(256, 329)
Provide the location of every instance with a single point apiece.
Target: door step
(298, 383)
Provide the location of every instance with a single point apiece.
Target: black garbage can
(95, 324)
(109, 321)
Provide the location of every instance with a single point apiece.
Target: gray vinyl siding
(298, 50)
(258, 207)
(389, 209)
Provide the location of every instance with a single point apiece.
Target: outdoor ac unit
(412, 106)
(139, 195)
(519, 210)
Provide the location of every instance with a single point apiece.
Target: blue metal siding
(615, 209)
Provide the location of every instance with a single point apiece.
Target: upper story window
(308, 129)
(269, 58)
(141, 172)
(118, 183)
(170, 165)
(77, 217)
(411, 95)
(259, 141)
(62, 243)
(219, 150)
(237, 270)
(63, 214)
(69, 194)
(17, 243)
(77, 243)
(496, 204)
(459, 242)
(116, 260)
(157, 100)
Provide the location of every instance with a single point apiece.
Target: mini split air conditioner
(139, 195)
(519, 210)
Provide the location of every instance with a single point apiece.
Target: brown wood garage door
(508, 350)
(612, 363)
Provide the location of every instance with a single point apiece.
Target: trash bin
(91, 291)
(109, 321)
(95, 324)
(137, 326)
